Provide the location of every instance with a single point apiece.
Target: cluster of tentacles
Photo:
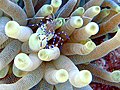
(51, 47)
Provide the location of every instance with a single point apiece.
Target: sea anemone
(54, 46)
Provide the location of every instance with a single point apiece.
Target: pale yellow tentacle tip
(76, 21)
(11, 29)
(23, 62)
(83, 78)
(47, 8)
(97, 8)
(78, 12)
(56, 3)
(90, 45)
(86, 76)
(43, 55)
(62, 75)
(49, 54)
(116, 76)
(92, 28)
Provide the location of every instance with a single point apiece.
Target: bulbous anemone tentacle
(14, 11)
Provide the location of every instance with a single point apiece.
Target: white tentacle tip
(47, 8)
(76, 21)
(83, 78)
(97, 8)
(86, 76)
(23, 62)
(11, 29)
(116, 76)
(90, 45)
(62, 75)
(49, 54)
(92, 28)
(56, 3)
